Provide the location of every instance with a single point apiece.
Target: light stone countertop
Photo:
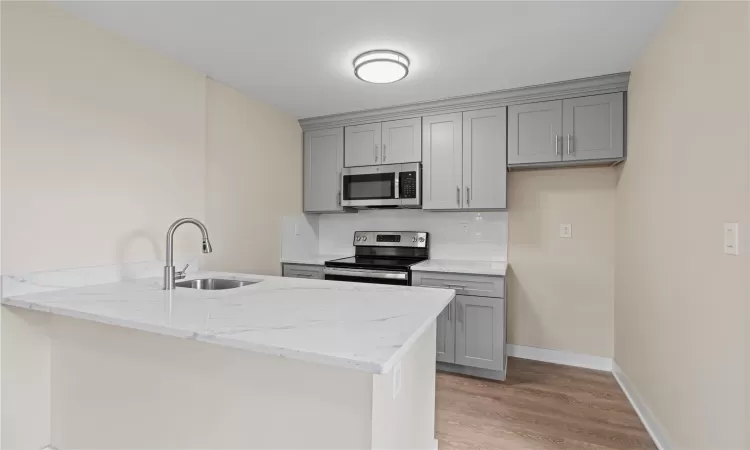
(494, 268)
(366, 327)
(314, 260)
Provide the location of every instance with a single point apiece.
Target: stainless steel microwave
(384, 186)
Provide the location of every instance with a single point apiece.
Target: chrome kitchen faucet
(169, 273)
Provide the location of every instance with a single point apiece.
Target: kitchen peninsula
(281, 363)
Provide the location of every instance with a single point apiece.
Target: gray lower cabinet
(302, 271)
(471, 330)
(567, 132)
(480, 332)
(323, 154)
(446, 334)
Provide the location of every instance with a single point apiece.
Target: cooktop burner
(369, 262)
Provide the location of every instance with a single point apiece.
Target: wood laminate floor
(540, 406)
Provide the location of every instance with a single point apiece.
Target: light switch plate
(566, 230)
(732, 238)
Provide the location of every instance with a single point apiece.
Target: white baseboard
(560, 357)
(653, 426)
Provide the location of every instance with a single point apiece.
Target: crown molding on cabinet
(604, 84)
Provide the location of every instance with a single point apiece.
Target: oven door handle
(380, 274)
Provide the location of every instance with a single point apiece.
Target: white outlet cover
(566, 230)
(732, 238)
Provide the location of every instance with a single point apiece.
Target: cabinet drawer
(481, 286)
(302, 271)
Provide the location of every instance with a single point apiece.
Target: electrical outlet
(731, 239)
(396, 379)
(566, 230)
(296, 229)
(465, 227)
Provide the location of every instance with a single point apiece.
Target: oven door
(366, 187)
(397, 278)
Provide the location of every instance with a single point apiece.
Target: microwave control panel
(408, 184)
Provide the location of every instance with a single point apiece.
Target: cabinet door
(323, 161)
(484, 162)
(441, 162)
(362, 145)
(593, 127)
(535, 133)
(402, 141)
(446, 334)
(480, 332)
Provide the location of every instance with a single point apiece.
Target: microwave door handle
(397, 176)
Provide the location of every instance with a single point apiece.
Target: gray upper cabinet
(442, 159)
(480, 332)
(593, 127)
(534, 133)
(323, 161)
(446, 334)
(484, 159)
(362, 145)
(402, 141)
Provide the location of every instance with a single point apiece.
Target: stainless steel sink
(213, 284)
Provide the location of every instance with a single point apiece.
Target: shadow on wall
(128, 241)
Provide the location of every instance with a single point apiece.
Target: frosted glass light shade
(381, 66)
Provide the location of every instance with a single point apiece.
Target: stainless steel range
(381, 257)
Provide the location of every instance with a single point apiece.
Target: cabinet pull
(338, 199)
(450, 315)
(468, 196)
(557, 145)
(376, 152)
(458, 195)
(454, 286)
(460, 314)
(384, 147)
(569, 150)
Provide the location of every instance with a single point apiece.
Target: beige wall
(254, 167)
(560, 291)
(679, 301)
(102, 144)
(105, 144)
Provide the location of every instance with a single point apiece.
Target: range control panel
(391, 238)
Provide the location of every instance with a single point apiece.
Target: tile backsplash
(453, 235)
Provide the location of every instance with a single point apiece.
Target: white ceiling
(298, 56)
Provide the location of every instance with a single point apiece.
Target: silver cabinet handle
(450, 316)
(454, 286)
(468, 196)
(569, 149)
(458, 195)
(384, 147)
(338, 199)
(557, 145)
(460, 314)
(376, 152)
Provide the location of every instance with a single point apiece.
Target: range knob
(414, 239)
(358, 238)
(364, 238)
(421, 239)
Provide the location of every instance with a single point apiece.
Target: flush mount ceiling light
(381, 66)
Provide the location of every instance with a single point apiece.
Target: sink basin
(213, 284)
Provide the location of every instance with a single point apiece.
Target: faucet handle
(180, 274)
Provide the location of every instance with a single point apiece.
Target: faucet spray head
(207, 246)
